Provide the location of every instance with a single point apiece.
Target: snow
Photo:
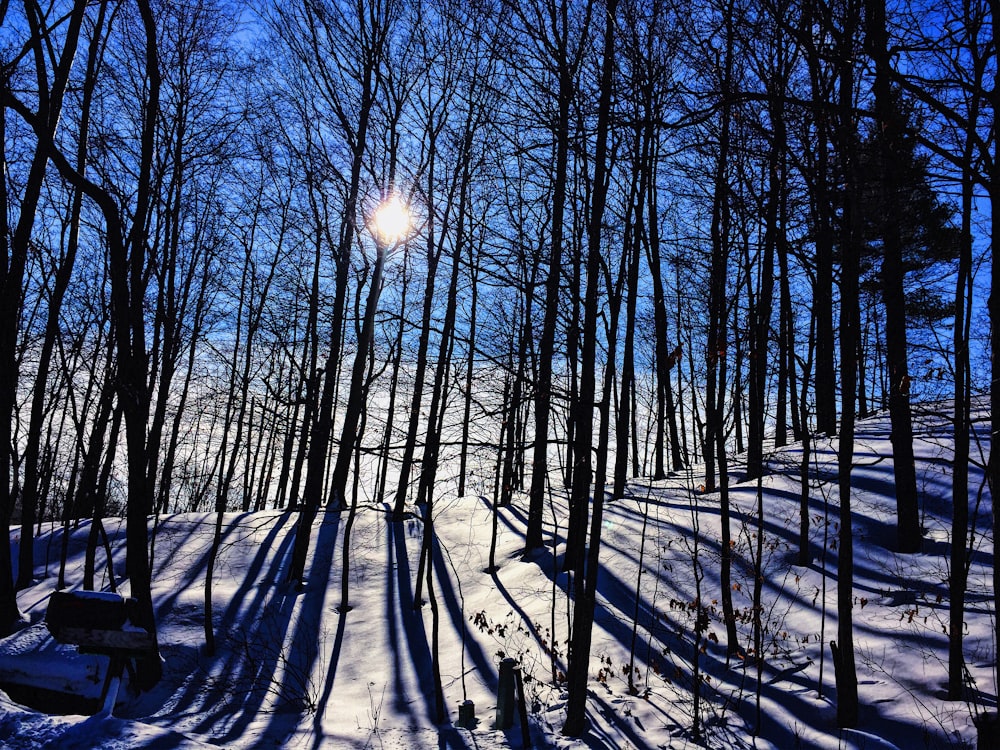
(292, 670)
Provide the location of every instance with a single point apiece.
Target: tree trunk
(319, 438)
(993, 306)
(958, 580)
(355, 401)
(511, 451)
(439, 387)
(627, 284)
(715, 438)
(546, 344)
(805, 552)
(760, 313)
(586, 563)
(423, 344)
(469, 369)
(843, 653)
(888, 122)
(390, 422)
(9, 612)
(662, 352)
(12, 270)
(29, 490)
(822, 217)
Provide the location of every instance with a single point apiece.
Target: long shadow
(186, 654)
(253, 580)
(406, 626)
(302, 648)
(595, 739)
(172, 532)
(616, 596)
(545, 559)
(871, 576)
(47, 550)
(249, 679)
(456, 612)
(771, 729)
(876, 531)
(395, 645)
(331, 674)
(451, 738)
(234, 663)
(507, 519)
(267, 638)
(338, 645)
(193, 569)
(712, 661)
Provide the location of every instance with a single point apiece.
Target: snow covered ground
(291, 670)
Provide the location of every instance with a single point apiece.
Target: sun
(391, 220)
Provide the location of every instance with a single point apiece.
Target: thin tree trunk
(715, 439)
(423, 344)
(843, 650)
(89, 497)
(889, 131)
(760, 313)
(469, 369)
(805, 551)
(390, 422)
(12, 270)
(586, 564)
(355, 402)
(319, 438)
(624, 423)
(662, 353)
(446, 346)
(546, 344)
(958, 581)
(821, 202)
(993, 306)
(29, 489)
(9, 612)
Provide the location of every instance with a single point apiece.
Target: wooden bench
(100, 622)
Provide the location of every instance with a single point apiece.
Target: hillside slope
(292, 671)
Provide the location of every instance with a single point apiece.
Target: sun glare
(391, 220)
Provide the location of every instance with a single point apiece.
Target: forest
(634, 238)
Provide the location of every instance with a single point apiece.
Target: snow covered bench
(99, 622)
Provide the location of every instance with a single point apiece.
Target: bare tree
(63, 274)
(340, 49)
(127, 240)
(586, 557)
(843, 648)
(558, 30)
(44, 120)
(889, 123)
